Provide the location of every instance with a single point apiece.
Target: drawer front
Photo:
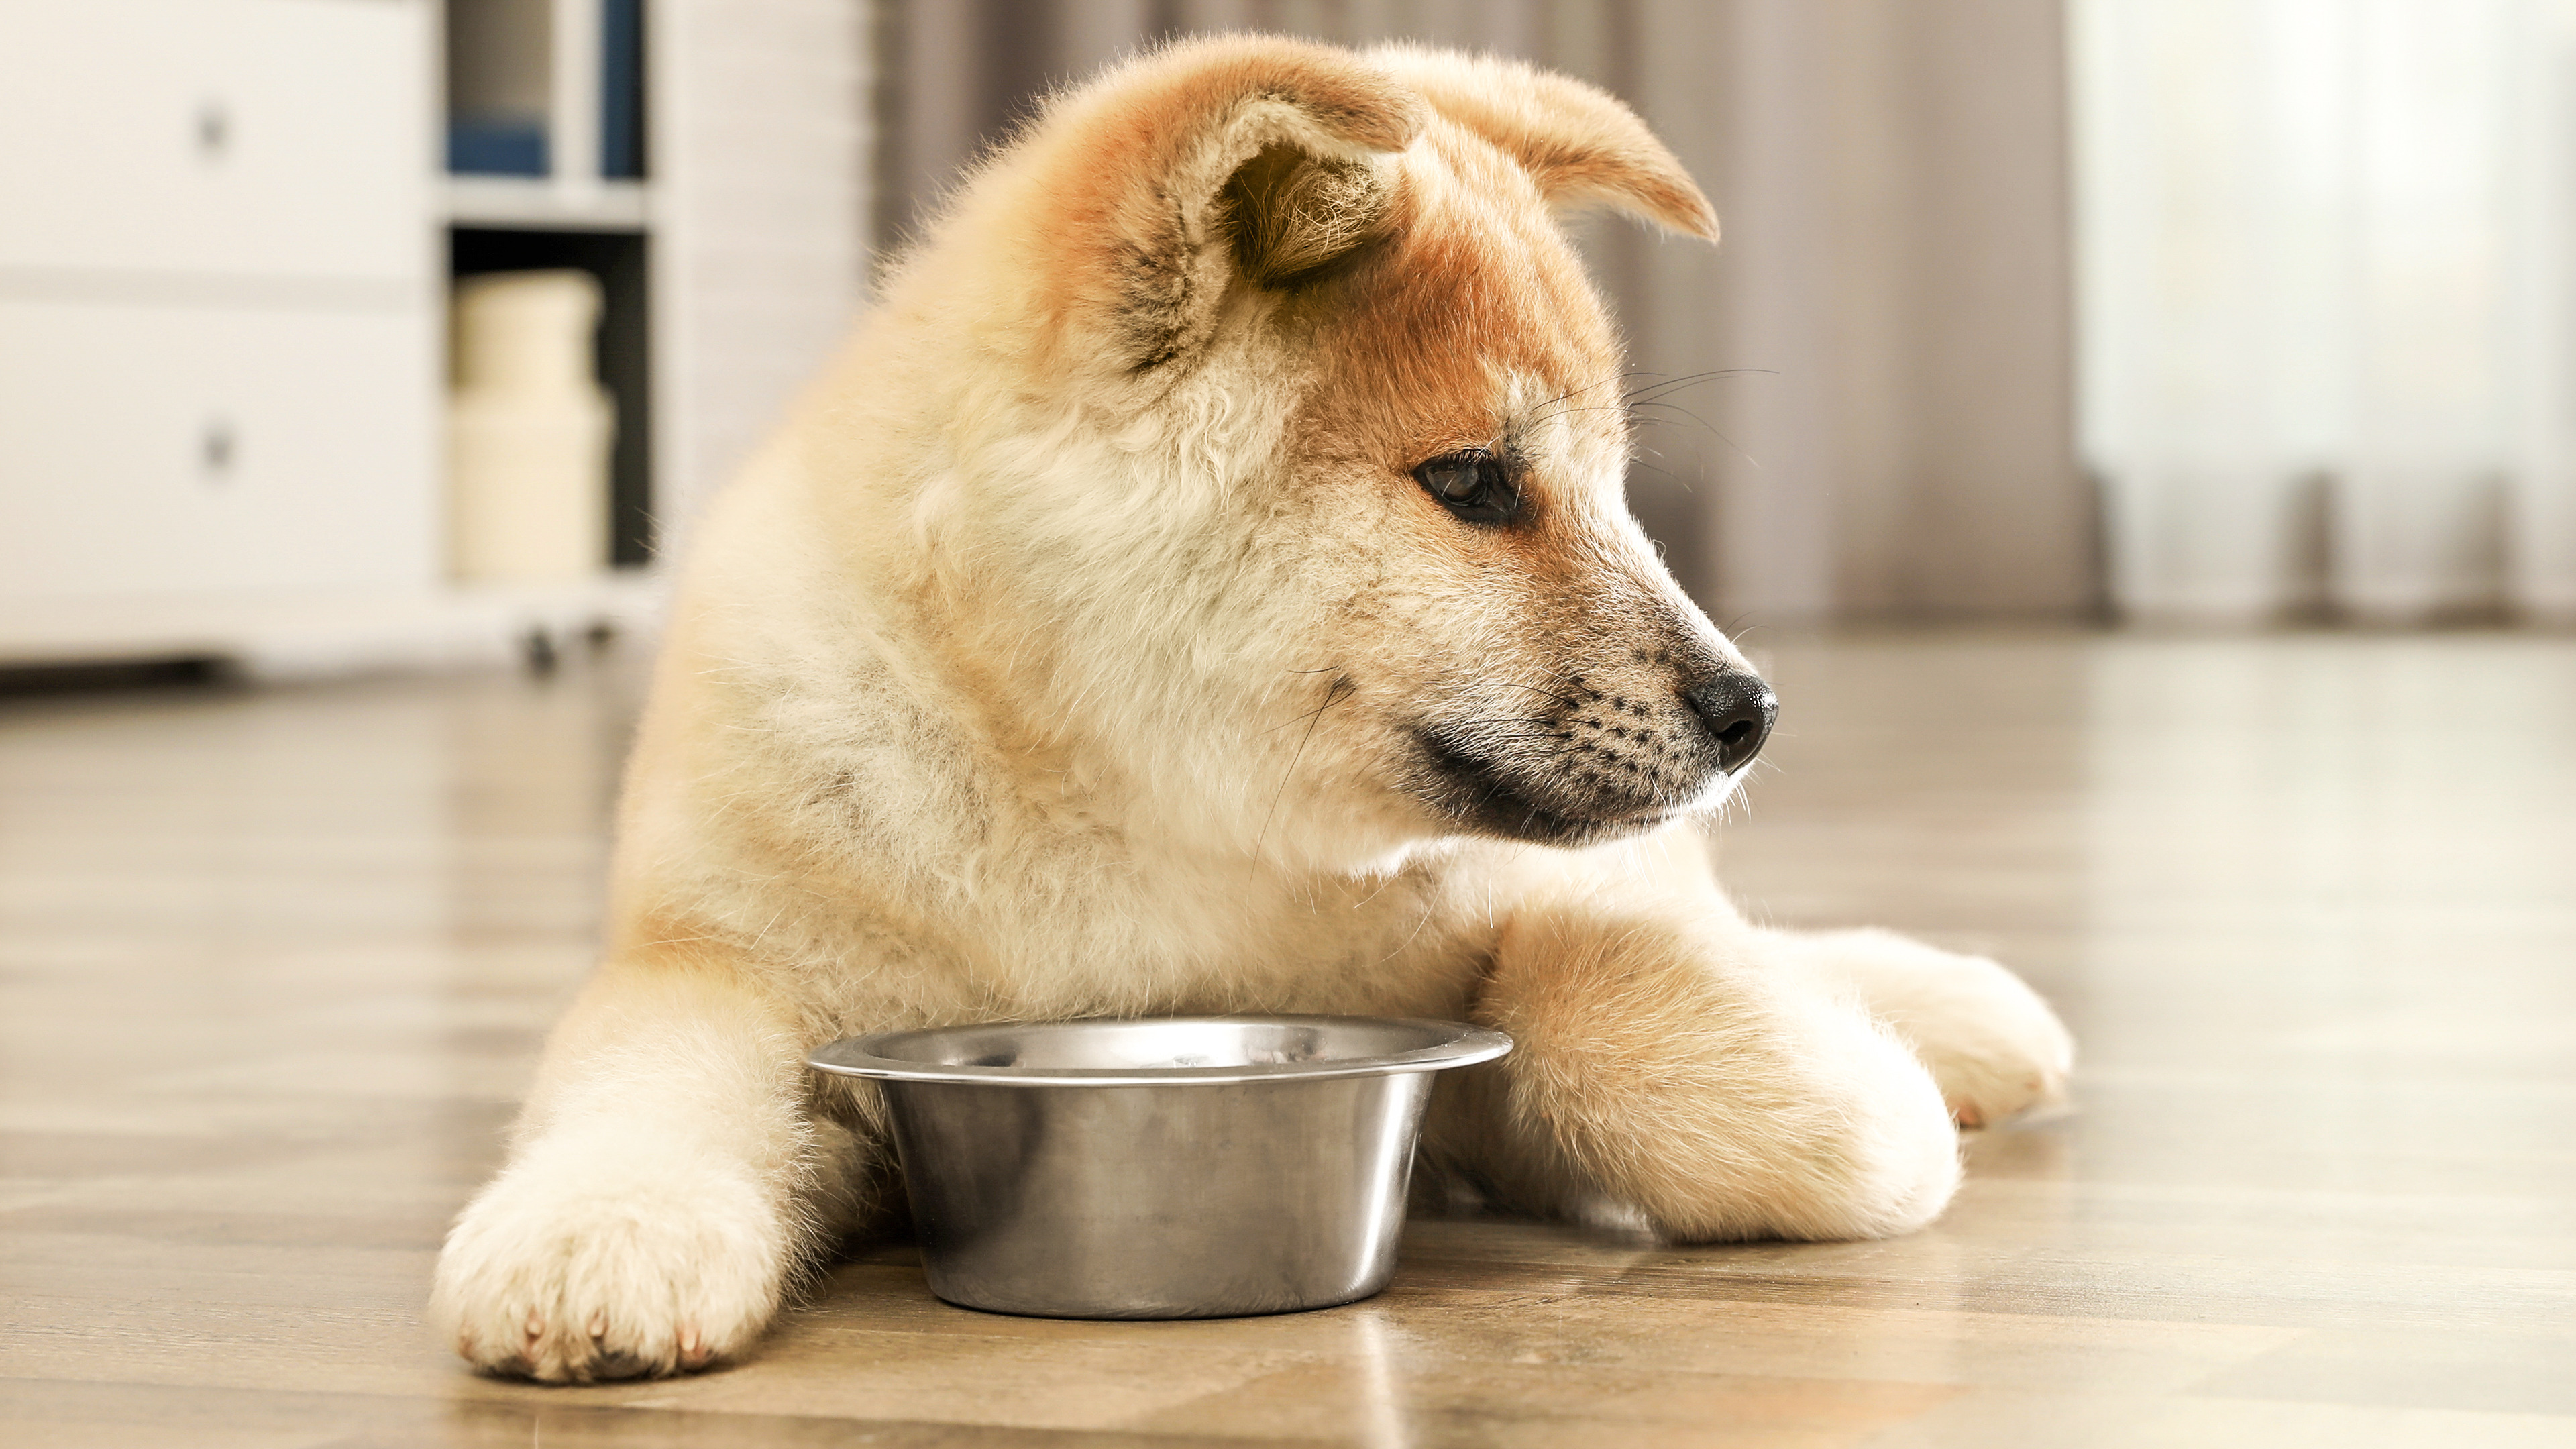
(149, 450)
(258, 138)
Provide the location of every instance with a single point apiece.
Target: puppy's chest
(1196, 940)
(1398, 947)
(915, 881)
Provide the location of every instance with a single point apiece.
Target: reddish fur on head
(1580, 144)
(1249, 157)
(1142, 160)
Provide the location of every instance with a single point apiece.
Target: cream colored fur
(1071, 653)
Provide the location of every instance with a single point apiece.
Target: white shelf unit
(223, 289)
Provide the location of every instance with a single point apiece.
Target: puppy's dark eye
(1473, 485)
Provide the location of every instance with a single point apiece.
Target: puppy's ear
(1580, 144)
(1211, 160)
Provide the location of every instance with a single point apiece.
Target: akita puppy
(1205, 586)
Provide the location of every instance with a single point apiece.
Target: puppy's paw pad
(1978, 1100)
(569, 1276)
(1998, 1064)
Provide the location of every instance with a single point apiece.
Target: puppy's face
(1382, 583)
(1504, 649)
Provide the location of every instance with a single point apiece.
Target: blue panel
(621, 89)
(480, 147)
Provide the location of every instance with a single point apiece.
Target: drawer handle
(216, 448)
(214, 131)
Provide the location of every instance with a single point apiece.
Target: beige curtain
(2330, 306)
(1889, 430)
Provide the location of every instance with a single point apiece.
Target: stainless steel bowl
(1198, 1167)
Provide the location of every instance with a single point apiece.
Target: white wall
(761, 162)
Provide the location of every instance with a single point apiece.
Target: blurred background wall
(2227, 312)
(1889, 426)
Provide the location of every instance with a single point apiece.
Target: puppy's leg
(664, 1182)
(1990, 1041)
(1665, 1062)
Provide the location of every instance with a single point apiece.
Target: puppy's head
(1296, 469)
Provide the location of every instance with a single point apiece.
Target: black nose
(1738, 710)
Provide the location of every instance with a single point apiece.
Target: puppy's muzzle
(1738, 710)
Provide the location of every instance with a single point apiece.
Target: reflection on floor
(272, 965)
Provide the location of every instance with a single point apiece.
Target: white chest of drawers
(219, 284)
(223, 278)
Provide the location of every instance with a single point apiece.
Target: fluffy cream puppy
(1205, 586)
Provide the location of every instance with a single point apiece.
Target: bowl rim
(1460, 1044)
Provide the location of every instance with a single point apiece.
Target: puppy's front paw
(576, 1267)
(1993, 1046)
(2005, 1057)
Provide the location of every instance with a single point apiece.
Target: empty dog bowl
(1196, 1167)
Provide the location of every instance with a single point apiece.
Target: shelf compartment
(621, 262)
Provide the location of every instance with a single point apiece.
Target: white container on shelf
(529, 429)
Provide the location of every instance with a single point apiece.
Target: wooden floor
(274, 963)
